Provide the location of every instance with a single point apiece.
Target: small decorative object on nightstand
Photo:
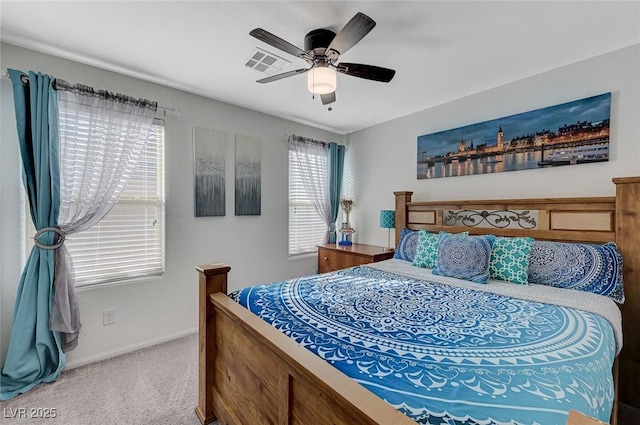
(388, 221)
(346, 230)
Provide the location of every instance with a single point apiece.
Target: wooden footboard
(251, 373)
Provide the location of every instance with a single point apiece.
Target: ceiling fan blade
(278, 43)
(328, 98)
(283, 75)
(370, 72)
(352, 33)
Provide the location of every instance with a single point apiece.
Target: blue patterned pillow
(510, 259)
(464, 257)
(406, 249)
(585, 267)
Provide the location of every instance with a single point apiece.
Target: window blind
(306, 228)
(129, 242)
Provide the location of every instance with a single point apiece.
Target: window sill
(303, 256)
(122, 282)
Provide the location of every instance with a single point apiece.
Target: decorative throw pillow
(464, 257)
(510, 259)
(585, 267)
(406, 249)
(427, 250)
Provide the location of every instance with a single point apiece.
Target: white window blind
(129, 242)
(306, 228)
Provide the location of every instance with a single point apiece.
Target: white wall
(382, 158)
(153, 310)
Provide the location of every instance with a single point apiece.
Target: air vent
(266, 62)
(261, 67)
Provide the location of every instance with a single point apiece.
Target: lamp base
(345, 242)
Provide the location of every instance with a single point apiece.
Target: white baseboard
(128, 349)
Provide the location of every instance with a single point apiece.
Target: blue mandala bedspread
(443, 354)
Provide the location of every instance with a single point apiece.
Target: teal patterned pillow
(427, 248)
(464, 257)
(510, 259)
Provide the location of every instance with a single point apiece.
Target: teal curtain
(336, 168)
(35, 353)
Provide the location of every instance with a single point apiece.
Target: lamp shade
(387, 219)
(321, 80)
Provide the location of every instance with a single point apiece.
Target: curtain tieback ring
(49, 229)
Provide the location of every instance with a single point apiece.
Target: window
(306, 227)
(128, 243)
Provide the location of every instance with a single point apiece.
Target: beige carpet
(155, 386)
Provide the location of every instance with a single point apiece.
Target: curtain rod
(306, 139)
(165, 109)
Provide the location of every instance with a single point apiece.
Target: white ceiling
(441, 50)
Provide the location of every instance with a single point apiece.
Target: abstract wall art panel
(248, 175)
(209, 171)
(566, 134)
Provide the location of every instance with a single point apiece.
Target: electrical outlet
(108, 317)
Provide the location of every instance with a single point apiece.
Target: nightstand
(332, 257)
(577, 418)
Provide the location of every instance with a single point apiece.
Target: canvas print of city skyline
(570, 133)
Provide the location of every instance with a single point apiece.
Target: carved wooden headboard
(590, 220)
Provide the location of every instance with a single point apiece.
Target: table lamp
(388, 221)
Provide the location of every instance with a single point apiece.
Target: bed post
(628, 240)
(213, 278)
(402, 212)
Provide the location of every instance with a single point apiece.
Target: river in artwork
(490, 164)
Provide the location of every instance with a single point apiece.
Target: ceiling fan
(322, 50)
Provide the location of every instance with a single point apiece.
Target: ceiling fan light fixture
(321, 80)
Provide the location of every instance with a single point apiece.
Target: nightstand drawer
(336, 257)
(326, 260)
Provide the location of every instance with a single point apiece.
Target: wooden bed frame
(251, 373)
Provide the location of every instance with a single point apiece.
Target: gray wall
(150, 311)
(382, 158)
